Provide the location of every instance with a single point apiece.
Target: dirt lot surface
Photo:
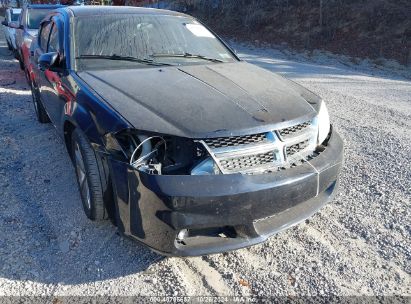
(359, 244)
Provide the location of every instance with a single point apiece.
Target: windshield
(163, 39)
(35, 16)
(15, 16)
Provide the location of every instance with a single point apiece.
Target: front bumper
(221, 212)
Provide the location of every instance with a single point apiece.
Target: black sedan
(188, 149)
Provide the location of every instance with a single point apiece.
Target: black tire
(41, 113)
(88, 175)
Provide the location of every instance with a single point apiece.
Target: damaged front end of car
(185, 196)
(159, 154)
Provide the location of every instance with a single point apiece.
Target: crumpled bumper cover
(154, 208)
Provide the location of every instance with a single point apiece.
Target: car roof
(44, 6)
(92, 10)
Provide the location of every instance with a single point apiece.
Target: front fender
(84, 109)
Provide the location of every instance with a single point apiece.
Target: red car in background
(27, 30)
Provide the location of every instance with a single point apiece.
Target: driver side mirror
(5, 23)
(49, 61)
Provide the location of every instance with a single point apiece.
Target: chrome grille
(264, 152)
(294, 130)
(221, 142)
(298, 147)
(250, 161)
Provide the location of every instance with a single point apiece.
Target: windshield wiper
(187, 55)
(125, 58)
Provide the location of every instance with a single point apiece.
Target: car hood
(201, 101)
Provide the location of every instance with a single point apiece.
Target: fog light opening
(185, 235)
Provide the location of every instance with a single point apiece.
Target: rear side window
(44, 36)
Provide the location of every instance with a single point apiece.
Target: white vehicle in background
(12, 16)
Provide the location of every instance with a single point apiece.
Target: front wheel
(88, 176)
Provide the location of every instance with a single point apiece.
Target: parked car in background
(27, 29)
(188, 148)
(11, 16)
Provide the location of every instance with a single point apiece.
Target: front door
(52, 89)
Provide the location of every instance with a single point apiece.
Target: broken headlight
(160, 154)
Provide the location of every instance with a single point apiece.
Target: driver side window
(54, 40)
(44, 36)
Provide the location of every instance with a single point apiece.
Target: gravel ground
(359, 244)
